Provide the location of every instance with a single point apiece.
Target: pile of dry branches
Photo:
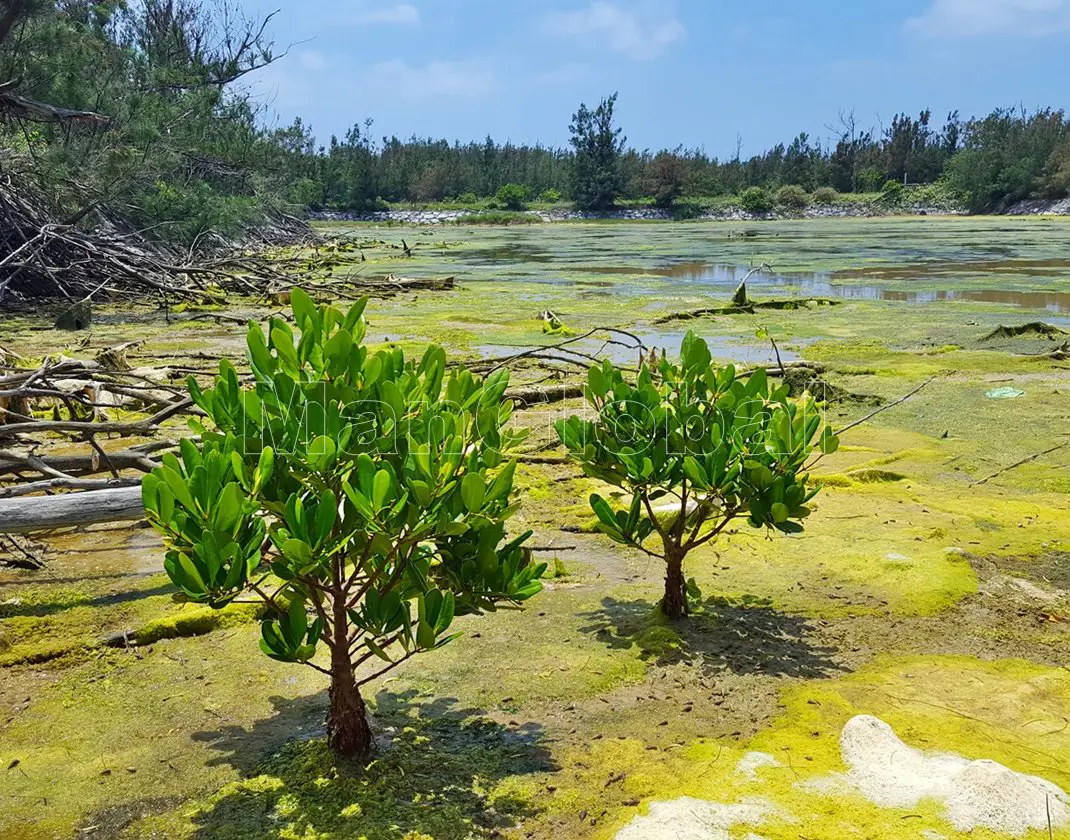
(82, 395)
(43, 257)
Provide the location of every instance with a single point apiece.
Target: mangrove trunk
(674, 604)
(348, 732)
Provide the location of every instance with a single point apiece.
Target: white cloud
(977, 18)
(639, 32)
(461, 79)
(365, 12)
(312, 60)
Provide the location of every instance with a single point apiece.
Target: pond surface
(1013, 262)
(906, 283)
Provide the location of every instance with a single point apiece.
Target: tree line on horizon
(136, 115)
(989, 162)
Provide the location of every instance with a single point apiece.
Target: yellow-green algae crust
(892, 528)
(1009, 711)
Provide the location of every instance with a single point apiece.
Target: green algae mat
(931, 589)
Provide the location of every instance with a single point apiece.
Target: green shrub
(713, 445)
(869, 180)
(793, 197)
(892, 190)
(551, 196)
(666, 176)
(687, 209)
(305, 193)
(755, 200)
(826, 195)
(185, 212)
(511, 196)
(362, 498)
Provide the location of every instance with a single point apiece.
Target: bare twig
(1021, 463)
(884, 408)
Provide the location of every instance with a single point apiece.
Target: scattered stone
(731, 214)
(976, 794)
(77, 317)
(1041, 207)
(752, 762)
(695, 819)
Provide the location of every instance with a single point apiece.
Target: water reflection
(724, 278)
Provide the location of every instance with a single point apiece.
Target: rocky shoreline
(839, 210)
(440, 217)
(1041, 207)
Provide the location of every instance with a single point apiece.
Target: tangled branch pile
(42, 257)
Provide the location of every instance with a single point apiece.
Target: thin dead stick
(563, 345)
(884, 408)
(1021, 463)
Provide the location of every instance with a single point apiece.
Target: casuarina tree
(695, 447)
(361, 497)
(598, 147)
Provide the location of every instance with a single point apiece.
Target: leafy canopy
(512, 196)
(598, 147)
(714, 445)
(362, 496)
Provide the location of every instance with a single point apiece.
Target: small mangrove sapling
(362, 498)
(709, 444)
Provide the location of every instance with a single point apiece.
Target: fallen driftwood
(44, 513)
(91, 256)
(137, 427)
(73, 259)
(748, 309)
(84, 386)
(67, 484)
(525, 397)
(70, 466)
(566, 352)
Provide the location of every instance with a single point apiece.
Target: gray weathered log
(525, 397)
(44, 513)
(64, 466)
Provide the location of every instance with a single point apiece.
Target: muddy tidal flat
(930, 590)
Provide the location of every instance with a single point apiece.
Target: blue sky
(697, 72)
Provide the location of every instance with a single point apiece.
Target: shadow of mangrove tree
(436, 773)
(744, 636)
